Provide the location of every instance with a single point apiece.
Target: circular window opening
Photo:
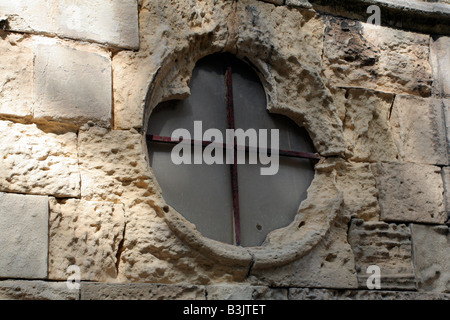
(230, 201)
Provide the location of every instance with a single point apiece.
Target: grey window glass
(203, 193)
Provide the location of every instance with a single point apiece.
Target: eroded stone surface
(140, 291)
(365, 116)
(316, 216)
(432, 257)
(114, 168)
(358, 54)
(419, 130)
(286, 45)
(110, 163)
(329, 264)
(249, 29)
(36, 162)
(387, 246)
(23, 236)
(114, 23)
(358, 184)
(86, 234)
(16, 76)
(72, 86)
(440, 60)
(410, 192)
(174, 35)
(36, 290)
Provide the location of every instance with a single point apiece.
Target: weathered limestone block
(114, 168)
(153, 252)
(326, 294)
(279, 42)
(440, 60)
(35, 162)
(131, 72)
(431, 245)
(419, 131)
(173, 36)
(410, 192)
(86, 234)
(111, 162)
(365, 116)
(244, 292)
(316, 215)
(72, 86)
(16, 76)
(23, 236)
(36, 290)
(329, 265)
(113, 23)
(387, 246)
(358, 184)
(140, 291)
(363, 55)
(285, 45)
(298, 4)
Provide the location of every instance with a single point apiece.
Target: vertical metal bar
(234, 173)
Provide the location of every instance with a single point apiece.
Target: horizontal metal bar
(283, 153)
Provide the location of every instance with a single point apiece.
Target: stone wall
(78, 83)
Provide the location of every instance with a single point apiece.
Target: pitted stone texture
(111, 163)
(365, 116)
(298, 4)
(23, 236)
(140, 291)
(153, 252)
(387, 246)
(329, 265)
(326, 294)
(418, 128)
(16, 76)
(363, 55)
(244, 292)
(36, 290)
(440, 60)
(110, 22)
(432, 257)
(285, 45)
(36, 162)
(114, 168)
(278, 41)
(358, 184)
(86, 234)
(410, 192)
(316, 215)
(72, 86)
(173, 36)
